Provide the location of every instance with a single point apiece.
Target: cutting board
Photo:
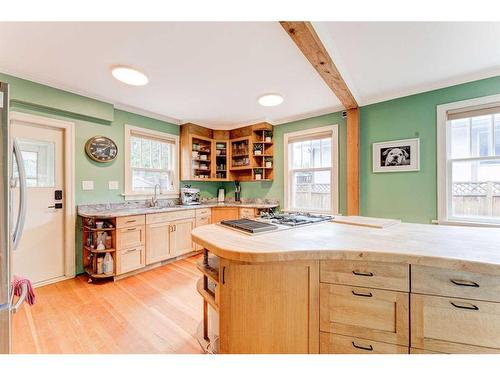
(364, 221)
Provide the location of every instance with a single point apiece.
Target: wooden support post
(353, 161)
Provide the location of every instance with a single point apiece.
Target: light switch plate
(113, 185)
(87, 185)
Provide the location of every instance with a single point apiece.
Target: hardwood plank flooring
(157, 311)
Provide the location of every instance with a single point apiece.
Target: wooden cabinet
(247, 213)
(338, 344)
(269, 308)
(130, 237)
(452, 325)
(392, 276)
(455, 283)
(157, 242)
(379, 315)
(203, 217)
(180, 236)
(130, 259)
(224, 213)
(130, 221)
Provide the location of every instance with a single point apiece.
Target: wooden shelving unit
(91, 238)
(208, 288)
(225, 155)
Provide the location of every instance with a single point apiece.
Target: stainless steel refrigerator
(10, 228)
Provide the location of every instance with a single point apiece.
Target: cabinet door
(180, 237)
(157, 242)
(224, 213)
(374, 314)
(269, 308)
(129, 260)
(452, 325)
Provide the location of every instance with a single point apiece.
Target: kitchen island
(339, 288)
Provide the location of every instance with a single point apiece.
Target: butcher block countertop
(472, 249)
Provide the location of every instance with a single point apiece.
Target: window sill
(145, 196)
(466, 223)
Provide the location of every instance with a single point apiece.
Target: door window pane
(38, 159)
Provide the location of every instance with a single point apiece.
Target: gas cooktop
(275, 221)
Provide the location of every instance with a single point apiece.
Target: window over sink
(151, 158)
(311, 170)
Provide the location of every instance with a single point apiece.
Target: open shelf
(90, 229)
(211, 270)
(207, 295)
(99, 251)
(91, 273)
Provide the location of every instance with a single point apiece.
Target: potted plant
(257, 149)
(268, 136)
(268, 162)
(258, 173)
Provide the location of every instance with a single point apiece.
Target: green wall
(275, 189)
(410, 196)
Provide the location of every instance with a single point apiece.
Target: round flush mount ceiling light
(129, 75)
(270, 100)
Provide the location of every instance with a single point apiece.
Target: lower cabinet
(338, 344)
(224, 213)
(454, 325)
(180, 236)
(372, 314)
(157, 242)
(130, 259)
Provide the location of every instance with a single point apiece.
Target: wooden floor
(157, 311)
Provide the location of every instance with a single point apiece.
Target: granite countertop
(457, 247)
(140, 208)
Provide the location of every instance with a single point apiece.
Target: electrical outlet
(113, 185)
(87, 185)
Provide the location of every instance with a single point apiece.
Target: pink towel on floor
(17, 284)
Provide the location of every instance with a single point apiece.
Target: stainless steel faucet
(154, 198)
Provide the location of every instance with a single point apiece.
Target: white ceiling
(207, 73)
(212, 73)
(386, 60)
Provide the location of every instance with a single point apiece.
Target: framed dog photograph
(397, 156)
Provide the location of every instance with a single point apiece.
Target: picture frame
(396, 156)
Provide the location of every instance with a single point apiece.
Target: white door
(40, 254)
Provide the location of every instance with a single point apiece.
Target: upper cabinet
(242, 154)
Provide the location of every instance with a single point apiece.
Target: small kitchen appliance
(221, 196)
(190, 196)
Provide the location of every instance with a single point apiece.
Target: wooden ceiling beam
(306, 39)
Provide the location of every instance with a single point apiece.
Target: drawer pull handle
(130, 251)
(471, 307)
(359, 273)
(131, 221)
(131, 229)
(369, 347)
(465, 283)
(362, 294)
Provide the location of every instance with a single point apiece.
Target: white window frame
(334, 183)
(443, 163)
(128, 193)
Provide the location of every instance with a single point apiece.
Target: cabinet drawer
(130, 221)
(462, 284)
(129, 237)
(203, 221)
(203, 212)
(162, 217)
(247, 213)
(451, 325)
(129, 259)
(375, 314)
(338, 344)
(392, 276)
(224, 213)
